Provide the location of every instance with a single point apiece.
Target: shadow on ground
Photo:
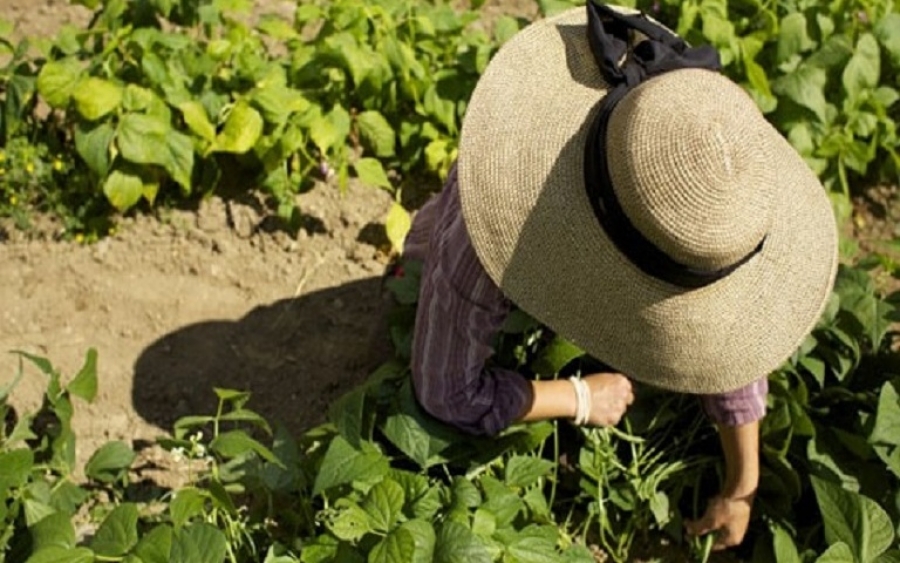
(295, 356)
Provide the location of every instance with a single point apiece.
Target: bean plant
(383, 481)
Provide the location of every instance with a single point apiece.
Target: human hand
(611, 394)
(727, 517)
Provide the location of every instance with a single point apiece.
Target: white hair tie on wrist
(583, 401)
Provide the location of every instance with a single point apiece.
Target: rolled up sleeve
(460, 311)
(735, 408)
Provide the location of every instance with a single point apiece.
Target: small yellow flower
(13, 200)
(57, 165)
(29, 167)
(79, 238)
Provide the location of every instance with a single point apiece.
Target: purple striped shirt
(461, 310)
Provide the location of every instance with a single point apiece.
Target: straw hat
(697, 170)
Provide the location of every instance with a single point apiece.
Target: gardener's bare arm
(611, 394)
(729, 512)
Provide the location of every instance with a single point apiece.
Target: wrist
(582, 401)
(741, 484)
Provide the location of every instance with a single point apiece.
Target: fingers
(611, 394)
(726, 519)
(700, 527)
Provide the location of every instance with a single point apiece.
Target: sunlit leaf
(57, 80)
(118, 532)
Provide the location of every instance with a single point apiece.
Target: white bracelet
(583, 401)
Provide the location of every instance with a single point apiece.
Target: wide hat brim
(526, 209)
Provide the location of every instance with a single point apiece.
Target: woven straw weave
(697, 169)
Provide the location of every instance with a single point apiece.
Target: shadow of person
(294, 355)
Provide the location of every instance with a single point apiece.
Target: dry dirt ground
(197, 299)
(191, 299)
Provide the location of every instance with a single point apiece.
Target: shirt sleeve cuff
(735, 408)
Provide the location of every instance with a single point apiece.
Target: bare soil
(196, 299)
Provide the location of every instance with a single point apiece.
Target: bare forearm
(551, 399)
(740, 445)
(606, 398)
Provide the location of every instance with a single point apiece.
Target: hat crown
(688, 162)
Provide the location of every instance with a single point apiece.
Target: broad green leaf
(123, 190)
(399, 546)
(837, 553)
(108, 462)
(156, 545)
(92, 143)
(148, 139)
(84, 384)
(95, 97)
(805, 86)
(465, 493)
(246, 415)
(57, 80)
(236, 397)
(344, 464)
(278, 102)
(523, 470)
(242, 129)
(16, 466)
(42, 364)
(455, 543)
(376, 133)
(864, 68)
(534, 544)
(660, 507)
(872, 313)
(793, 38)
(834, 53)
(888, 32)
(397, 225)
(321, 548)
(892, 556)
(198, 543)
(886, 96)
(347, 414)
(36, 510)
(853, 519)
(484, 523)
(783, 544)
(504, 28)
(371, 173)
(118, 532)
(416, 434)
(324, 133)
(136, 98)
(142, 138)
(67, 497)
(237, 442)
(62, 555)
(351, 524)
(197, 121)
(276, 27)
(886, 430)
(55, 530)
(555, 356)
(424, 537)
(577, 554)
(501, 500)
(179, 159)
(383, 504)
